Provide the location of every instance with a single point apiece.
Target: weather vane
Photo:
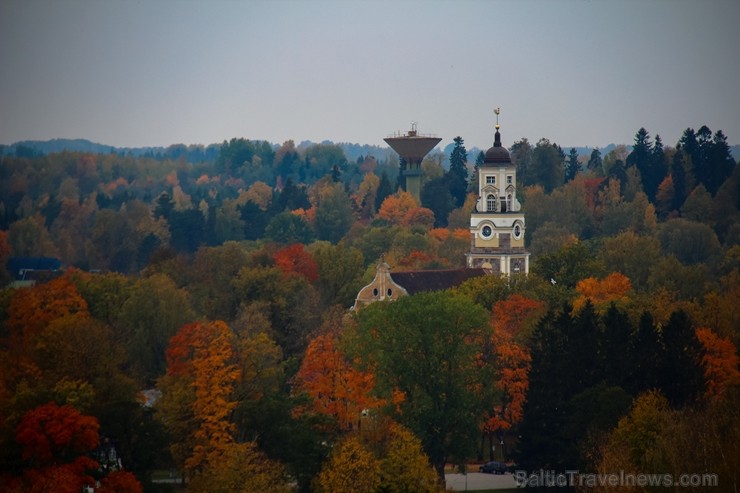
(498, 112)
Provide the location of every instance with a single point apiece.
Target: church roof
(418, 281)
(497, 155)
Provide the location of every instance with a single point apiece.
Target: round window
(487, 231)
(390, 292)
(517, 231)
(375, 292)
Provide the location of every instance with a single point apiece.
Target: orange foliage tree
(395, 207)
(31, 310)
(337, 389)
(510, 315)
(294, 259)
(420, 216)
(613, 288)
(198, 387)
(720, 362)
(513, 362)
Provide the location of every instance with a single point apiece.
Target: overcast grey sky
(160, 72)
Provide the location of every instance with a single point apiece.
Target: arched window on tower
(491, 203)
(508, 203)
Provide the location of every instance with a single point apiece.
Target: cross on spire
(498, 112)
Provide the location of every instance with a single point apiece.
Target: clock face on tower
(487, 231)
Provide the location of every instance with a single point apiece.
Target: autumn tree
(242, 468)
(200, 380)
(613, 288)
(720, 362)
(31, 310)
(336, 388)
(352, 467)
(382, 447)
(395, 207)
(294, 259)
(55, 441)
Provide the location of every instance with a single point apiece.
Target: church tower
(497, 223)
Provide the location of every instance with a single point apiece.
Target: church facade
(497, 225)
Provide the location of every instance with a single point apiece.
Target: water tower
(412, 148)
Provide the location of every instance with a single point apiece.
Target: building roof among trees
(434, 280)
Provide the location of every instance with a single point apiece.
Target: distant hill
(200, 153)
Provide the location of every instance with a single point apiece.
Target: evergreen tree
(165, 205)
(595, 162)
(187, 230)
(435, 195)
(615, 350)
(521, 156)
(711, 160)
(292, 198)
(255, 220)
(541, 442)
(480, 159)
(401, 180)
(457, 176)
(384, 190)
(473, 181)
(336, 173)
(678, 172)
(644, 159)
(721, 162)
(647, 355)
(681, 375)
(658, 165)
(571, 166)
(546, 167)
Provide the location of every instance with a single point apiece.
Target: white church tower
(497, 224)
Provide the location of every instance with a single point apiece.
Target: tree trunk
(440, 468)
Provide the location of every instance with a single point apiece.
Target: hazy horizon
(580, 73)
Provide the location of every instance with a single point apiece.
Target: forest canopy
(191, 311)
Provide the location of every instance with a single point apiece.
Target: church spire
(497, 136)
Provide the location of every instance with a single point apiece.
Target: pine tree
(678, 172)
(571, 166)
(457, 176)
(384, 190)
(595, 162)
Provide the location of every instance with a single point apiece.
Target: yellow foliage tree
(405, 467)
(613, 288)
(241, 469)
(215, 376)
(351, 468)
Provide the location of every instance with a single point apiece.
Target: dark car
(494, 467)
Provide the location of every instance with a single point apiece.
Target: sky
(139, 73)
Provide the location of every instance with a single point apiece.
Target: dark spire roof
(497, 155)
